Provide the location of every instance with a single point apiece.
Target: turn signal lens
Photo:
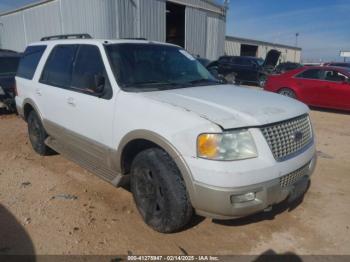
(208, 145)
(230, 145)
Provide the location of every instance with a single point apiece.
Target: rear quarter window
(29, 61)
(8, 65)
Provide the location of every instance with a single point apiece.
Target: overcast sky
(323, 25)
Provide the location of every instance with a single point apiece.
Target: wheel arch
(139, 140)
(290, 88)
(28, 106)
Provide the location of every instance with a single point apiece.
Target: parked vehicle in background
(312, 64)
(8, 67)
(287, 66)
(340, 64)
(203, 61)
(152, 113)
(325, 86)
(247, 69)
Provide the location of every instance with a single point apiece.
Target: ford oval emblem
(297, 136)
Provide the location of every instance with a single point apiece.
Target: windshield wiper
(146, 83)
(152, 86)
(203, 81)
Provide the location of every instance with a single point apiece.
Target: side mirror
(99, 84)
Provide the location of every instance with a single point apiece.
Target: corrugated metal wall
(126, 11)
(42, 20)
(196, 31)
(12, 37)
(233, 47)
(92, 16)
(152, 19)
(215, 36)
(204, 33)
(201, 4)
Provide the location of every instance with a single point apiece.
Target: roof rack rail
(134, 38)
(59, 37)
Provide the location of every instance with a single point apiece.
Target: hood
(230, 106)
(271, 58)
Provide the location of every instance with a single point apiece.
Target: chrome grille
(291, 178)
(282, 139)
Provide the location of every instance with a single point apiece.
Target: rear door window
(334, 76)
(59, 66)
(30, 61)
(315, 74)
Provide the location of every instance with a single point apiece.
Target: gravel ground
(49, 205)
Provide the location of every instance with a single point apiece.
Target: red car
(316, 86)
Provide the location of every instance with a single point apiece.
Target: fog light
(250, 196)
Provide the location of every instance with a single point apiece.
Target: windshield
(147, 67)
(259, 61)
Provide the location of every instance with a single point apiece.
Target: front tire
(287, 92)
(37, 135)
(159, 191)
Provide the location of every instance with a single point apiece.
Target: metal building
(237, 46)
(197, 25)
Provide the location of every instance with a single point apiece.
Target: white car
(151, 113)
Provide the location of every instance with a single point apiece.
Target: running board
(84, 160)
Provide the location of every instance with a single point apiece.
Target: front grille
(291, 178)
(288, 137)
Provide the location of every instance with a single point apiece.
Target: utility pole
(296, 45)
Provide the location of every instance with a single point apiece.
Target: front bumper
(215, 202)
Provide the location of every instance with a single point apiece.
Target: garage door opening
(249, 50)
(175, 24)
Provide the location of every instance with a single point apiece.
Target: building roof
(215, 7)
(258, 42)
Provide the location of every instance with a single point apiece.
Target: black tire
(287, 92)
(159, 191)
(37, 135)
(262, 81)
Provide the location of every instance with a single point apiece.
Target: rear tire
(159, 191)
(37, 135)
(287, 92)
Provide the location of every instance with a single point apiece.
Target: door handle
(70, 101)
(38, 92)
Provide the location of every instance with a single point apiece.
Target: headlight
(232, 145)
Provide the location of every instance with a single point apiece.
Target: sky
(323, 25)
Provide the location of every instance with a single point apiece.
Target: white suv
(150, 112)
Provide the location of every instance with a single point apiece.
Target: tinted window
(88, 65)
(332, 75)
(30, 61)
(8, 65)
(311, 74)
(225, 59)
(153, 66)
(242, 61)
(58, 68)
(340, 64)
